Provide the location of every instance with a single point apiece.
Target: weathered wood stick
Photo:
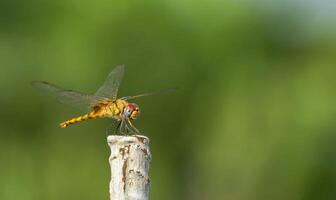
(129, 160)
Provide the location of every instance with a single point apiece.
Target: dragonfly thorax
(131, 110)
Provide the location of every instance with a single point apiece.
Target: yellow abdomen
(101, 109)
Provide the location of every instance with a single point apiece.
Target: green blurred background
(254, 117)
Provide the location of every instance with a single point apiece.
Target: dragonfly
(103, 104)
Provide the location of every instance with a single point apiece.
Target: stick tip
(126, 139)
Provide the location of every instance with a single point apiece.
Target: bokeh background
(253, 119)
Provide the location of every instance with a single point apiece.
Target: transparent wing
(111, 85)
(150, 93)
(68, 96)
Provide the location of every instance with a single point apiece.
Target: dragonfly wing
(150, 93)
(68, 96)
(111, 85)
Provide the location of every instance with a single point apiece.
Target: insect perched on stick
(104, 103)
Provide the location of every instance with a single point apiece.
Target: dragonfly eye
(131, 110)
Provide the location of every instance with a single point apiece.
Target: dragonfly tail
(87, 116)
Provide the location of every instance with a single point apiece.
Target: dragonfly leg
(110, 130)
(121, 128)
(118, 128)
(131, 127)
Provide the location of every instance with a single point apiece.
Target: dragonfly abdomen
(87, 116)
(107, 109)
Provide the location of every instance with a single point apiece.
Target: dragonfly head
(131, 111)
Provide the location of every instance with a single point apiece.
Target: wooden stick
(129, 160)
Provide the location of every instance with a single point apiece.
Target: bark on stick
(129, 160)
